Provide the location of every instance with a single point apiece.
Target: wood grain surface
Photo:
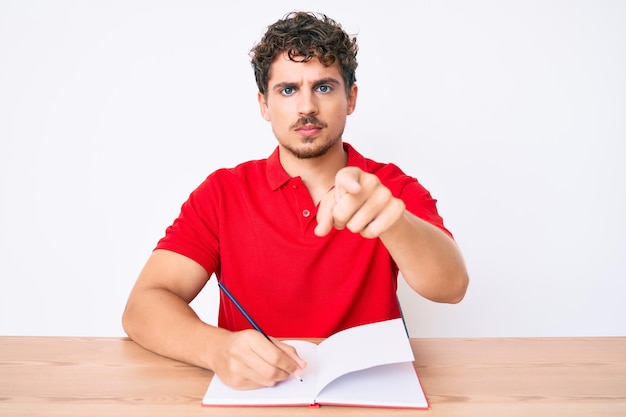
(70, 376)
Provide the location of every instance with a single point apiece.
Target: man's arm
(429, 260)
(158, 317)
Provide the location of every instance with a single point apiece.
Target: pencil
(247, 316)
(242, 311)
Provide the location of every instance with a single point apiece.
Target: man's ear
(263, 106)
(354, 90)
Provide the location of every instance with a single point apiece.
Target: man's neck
(317, 174)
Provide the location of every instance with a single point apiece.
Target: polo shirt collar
(277, 176)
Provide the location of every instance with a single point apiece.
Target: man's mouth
(309, 126)
(309, 129)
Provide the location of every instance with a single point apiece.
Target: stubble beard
(312, 150)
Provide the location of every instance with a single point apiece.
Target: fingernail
(296, 373)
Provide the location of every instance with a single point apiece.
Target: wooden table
(69, 376)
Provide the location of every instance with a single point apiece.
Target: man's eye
(287, 91)
(324, 88)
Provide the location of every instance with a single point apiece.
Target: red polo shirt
(252, 226)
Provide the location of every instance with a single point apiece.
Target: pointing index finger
(347, 181)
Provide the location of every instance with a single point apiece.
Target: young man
(309, 241)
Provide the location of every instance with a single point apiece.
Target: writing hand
(247, 360)
(359, 202)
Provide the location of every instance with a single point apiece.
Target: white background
(513, 114)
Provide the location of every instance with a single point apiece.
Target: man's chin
(309, 150)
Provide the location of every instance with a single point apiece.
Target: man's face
(307, 105)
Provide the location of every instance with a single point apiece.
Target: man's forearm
(429, 260)
(162, 322)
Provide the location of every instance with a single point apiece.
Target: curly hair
(303, 36)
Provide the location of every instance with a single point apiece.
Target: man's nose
(307, 103)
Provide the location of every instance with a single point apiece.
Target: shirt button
(306, 213)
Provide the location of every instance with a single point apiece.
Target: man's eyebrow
(327, 80)
(283, 85)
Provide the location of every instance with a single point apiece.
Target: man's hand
(360, 202)
(247, 360)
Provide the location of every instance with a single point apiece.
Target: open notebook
(369, 365)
